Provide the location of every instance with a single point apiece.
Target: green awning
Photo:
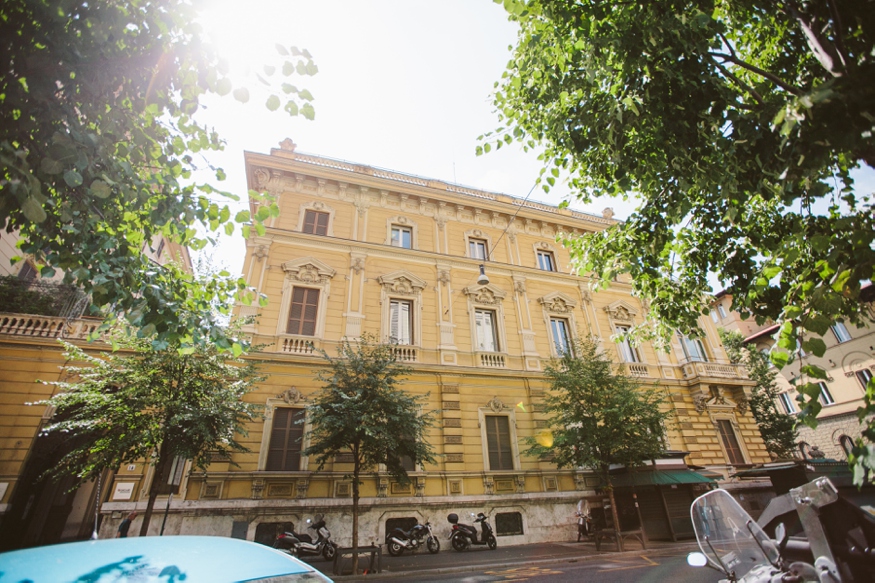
(659, 478)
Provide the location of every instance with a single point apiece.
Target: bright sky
(402, 84)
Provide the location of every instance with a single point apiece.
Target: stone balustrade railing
(46, 326)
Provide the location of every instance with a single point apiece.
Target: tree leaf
(72, 178)
(273, 103)
(241, 94)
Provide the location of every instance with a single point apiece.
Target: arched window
(847, 445)
(803, 449)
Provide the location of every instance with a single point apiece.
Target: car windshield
(728, 535)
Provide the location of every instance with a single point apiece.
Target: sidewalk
(480, 558)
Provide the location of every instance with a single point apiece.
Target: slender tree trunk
(355, 511)
(153, 490)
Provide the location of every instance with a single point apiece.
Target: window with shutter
(627, 351)
(303, 311)
(498, 442)
(400, 321)
(315, 223)
(284, 451)
(730, 441)
(484, 320)
(561, 337)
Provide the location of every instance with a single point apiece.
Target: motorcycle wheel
(394, 548)
(329, 552)
(460, 543)
(493, 544)
(433, 544)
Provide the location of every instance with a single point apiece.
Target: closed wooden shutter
(284, 451)
(730, 441)
(498, 442)
(303, 311)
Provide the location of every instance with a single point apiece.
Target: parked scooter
(399, 541)
(732, 543)
(303, 544)
(584, 521)
(464, 535)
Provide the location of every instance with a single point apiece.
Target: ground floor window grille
(508, 523)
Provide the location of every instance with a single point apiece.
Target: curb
(557, 559)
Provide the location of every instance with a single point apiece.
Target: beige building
(849, 362)
(34, 314)
(357, 250)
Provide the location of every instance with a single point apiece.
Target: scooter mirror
(697, 559)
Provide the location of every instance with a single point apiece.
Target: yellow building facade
(359, 250)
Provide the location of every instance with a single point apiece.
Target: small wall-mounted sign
(123, 491)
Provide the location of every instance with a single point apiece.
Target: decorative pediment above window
(402, 283)
(716, 401)
(308, 270)
(621, 312)
(488, 294)
(558, 303)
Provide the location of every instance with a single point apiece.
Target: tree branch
(823, 50)
(762, 73)
(745, 86)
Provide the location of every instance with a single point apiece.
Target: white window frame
(402, 285)
(565, 325)
(787, 403)
(688, 343)
(841, 333)
(628, 352)
(477, 234)
(404, 335)
(492, 327)
(305, 272)
(405, 224)
(721, 310)
(487, 297)
(825, 396)
(558, 305)
(863, 372)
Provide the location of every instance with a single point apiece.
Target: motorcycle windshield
(728, 535)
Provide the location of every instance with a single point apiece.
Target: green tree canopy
(777, 429)
(139, 403)
(99, 140)
(598, 415)
(736, 123)
(363, 410)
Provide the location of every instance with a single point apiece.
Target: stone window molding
(495, 407)
(558, 304)
(306, 272)
(482, 235)
(402, 285)
(622, 315)
(489, 297)
(320, 207)
(291, 398)
(723, 415)
(546, 247)
(404, 222)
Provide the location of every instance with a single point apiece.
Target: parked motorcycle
(732, 543)
(303, 544)
(464, 535)
(399, 541)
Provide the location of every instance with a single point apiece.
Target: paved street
(554, 562)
